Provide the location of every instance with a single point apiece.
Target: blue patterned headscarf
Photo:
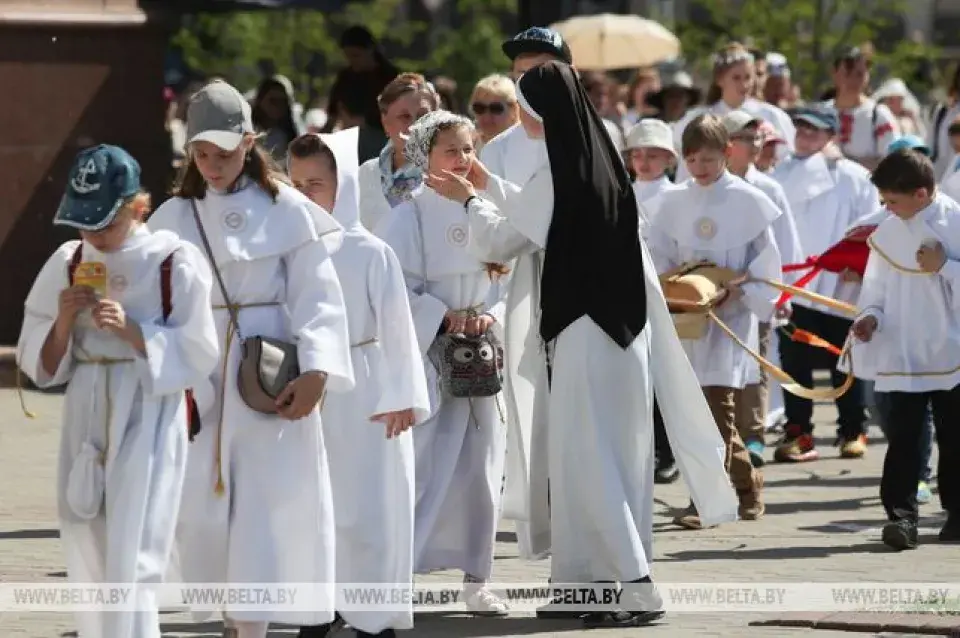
(398, 184)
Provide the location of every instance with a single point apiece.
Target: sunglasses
(495, 108)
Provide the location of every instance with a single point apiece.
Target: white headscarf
(895, 87)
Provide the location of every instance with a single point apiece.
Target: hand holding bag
(267, 365)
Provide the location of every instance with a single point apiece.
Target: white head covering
(522, 101)
(423, 133)
(651, 133)
(895, 87)
(344, 146)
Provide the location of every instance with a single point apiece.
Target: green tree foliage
(807, 32)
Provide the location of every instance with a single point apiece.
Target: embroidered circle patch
(706, 228)
(457, 235)
(118, 283)
(234, 220)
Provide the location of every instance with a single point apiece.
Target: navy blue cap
(538, 40)
(912, 142)
(823, 118)
(102, 179)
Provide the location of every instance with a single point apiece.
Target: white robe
(727, 223)
(274, 522)
(916, 347)
(460, 449)
(374, 206)
(600, 409)
(826, 198)
(131, 539)
(515, 157)
(372, 476)
(644, 193)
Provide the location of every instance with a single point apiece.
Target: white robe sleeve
(428, 313)
(873, 292)
(764, 263)
(492, 236)
(950, 273)
(318, 315)
(664, 251)
(528, 209)
(402, 381)
(40, 313)
(185, 350)
(497, 303)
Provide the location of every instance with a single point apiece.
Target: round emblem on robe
(234, 220)
(706, 228)
(118, 283)
(457, 235)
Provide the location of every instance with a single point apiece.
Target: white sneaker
(481, 601)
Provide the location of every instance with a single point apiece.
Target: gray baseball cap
(218, 114)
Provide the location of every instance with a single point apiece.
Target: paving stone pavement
(822, 525)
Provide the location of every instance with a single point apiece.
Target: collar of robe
(897, 240)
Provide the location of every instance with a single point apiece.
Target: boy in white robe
(746, 140)
(123, 318)
(720, 218)
(651, 152)
(827, 195)
(371, 471)
(913, 271)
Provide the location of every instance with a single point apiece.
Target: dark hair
(311, 145)
(849, 56)
(447, 90)
(359, 37)
(286, 123)
(954, 128)
(759, 55)
(594, 79)
(704, 132)
(259, 166)
(904, 171)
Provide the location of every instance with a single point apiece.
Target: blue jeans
(879, 405)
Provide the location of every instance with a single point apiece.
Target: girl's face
(401, 115)
(736, 81)
(220, 168)
(650, 163)
(452, 151)
(111, 238)
(531, 126)
(895, 104)
(274, 103)
(493, 113)
(315, 177)
(745, 147)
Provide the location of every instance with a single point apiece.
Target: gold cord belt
(107, 362)
(365, 342)
(219, 487)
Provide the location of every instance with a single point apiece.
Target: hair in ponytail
(727, 57)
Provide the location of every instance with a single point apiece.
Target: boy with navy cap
(123, 318)
(827, 195)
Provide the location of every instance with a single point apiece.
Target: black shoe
(322, 631)
(555, 611)
(950, 532)
(900, 535)
(597, 620)
(666, 473)
(386, 633)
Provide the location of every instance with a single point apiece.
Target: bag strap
(166, 286)
(74, 262)
(937, 123)
(423, 245)
(216, 271)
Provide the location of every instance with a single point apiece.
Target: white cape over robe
(273, 523)
(131, 539)
(598, 538)
(372, 477)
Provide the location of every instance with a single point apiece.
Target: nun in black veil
(602, 312)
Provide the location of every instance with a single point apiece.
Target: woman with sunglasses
(494, 107)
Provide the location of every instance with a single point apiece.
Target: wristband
(466, 204)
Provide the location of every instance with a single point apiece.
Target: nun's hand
(451, 186)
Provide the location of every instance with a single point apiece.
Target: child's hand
(734, 292)
(931, 257)
(848, 276)
(72, 301)
(110, 315)
(864, 328)
(451, 186)
(397, 422)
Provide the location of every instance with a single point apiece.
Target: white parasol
(610, 41)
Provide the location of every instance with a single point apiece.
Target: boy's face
(315, 178)
(745, 146)
(810, 139)
(526, 61)
(706, 165)
(111, 238)
(650, 163)
(906, 205)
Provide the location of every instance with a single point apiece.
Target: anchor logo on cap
(80, 184)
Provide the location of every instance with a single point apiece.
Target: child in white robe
(260, 508)
(371, 470)
(460, 449)
(827, 195)
(128, 339)
(720, 218)
(913, 271)
(746, 140)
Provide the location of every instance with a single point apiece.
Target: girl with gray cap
(260, 508)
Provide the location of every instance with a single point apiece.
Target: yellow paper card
(93, 274)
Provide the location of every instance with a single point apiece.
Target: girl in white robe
(601, 426)
(371, 470)
(126, 363)
(260, 505)
(460, 449)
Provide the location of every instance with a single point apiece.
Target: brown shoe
(689, 519)
(751, 507)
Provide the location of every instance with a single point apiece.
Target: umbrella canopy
(610, 41)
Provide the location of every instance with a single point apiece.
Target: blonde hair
(140, 205)
(498, 85)
(723, 60)
(405, 84)
(704, 133)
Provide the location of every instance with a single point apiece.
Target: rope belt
(106, 362)
(786, 381)
(220, 487)
(365, 342)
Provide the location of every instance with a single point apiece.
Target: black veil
(593, 263)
